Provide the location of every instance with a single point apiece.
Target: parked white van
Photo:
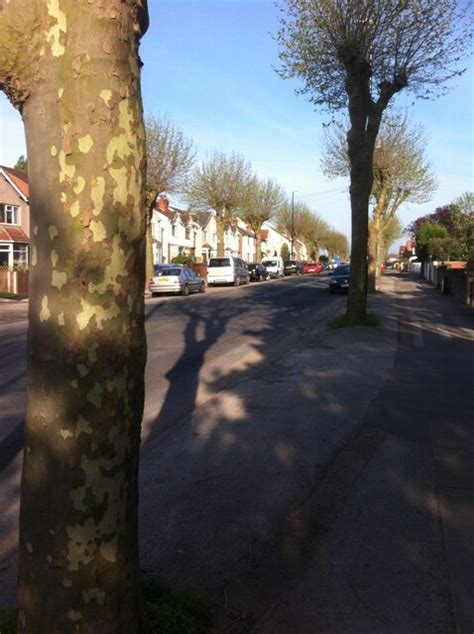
(274, 265)
(227, 270)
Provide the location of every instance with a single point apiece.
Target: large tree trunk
(149, 258)
(78, 87)
(372, 260)
(258, 245)
(374, 244)
(220, 227)
(365, 122)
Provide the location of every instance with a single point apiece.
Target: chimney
(163, 202)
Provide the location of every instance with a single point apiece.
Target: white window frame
(13, 211)
(20, 249)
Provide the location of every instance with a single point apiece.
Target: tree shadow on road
(235, 496)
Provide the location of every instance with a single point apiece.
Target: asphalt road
(306, 480)
(187, 337)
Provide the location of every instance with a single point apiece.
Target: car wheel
(237, 282)
(331, 291)
(185, 290)
(154, 294)
(202, 288)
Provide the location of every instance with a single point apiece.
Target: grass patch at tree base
(168, 611)
(344, 322)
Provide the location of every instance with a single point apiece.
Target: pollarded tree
(392, 230)
(336, 243)
(262, 201)
(313, 231)
(298, 221)
(72, 70)
(219, 183)
(170, 157)
(356, 55)
(401, 174)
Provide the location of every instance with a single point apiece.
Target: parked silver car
(176, 279)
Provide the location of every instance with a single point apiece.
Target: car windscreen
(341, 270)
(270, 263)
(214, 262)
(168, 272)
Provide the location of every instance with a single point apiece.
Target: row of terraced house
(177, 232)
(174, 231)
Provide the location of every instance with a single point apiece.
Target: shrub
(182, 259)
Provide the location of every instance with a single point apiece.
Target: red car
(313, 267)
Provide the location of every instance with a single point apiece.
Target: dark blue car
(339, 282)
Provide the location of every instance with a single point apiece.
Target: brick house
(14, 217)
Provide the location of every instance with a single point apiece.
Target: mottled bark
(78, 88)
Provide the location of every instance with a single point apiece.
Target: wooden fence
(13, 280)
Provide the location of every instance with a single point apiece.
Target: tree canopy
(22, 164)
(416, 46)
(170, 156)
(357, 55)
(219, 183)
(401, 174)
(446, 233)
(262, 200)
(299, 221)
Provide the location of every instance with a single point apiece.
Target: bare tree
(219, 183)
(170, 157)
(357, 54)
(262, 201)
(80, 101)
(401, 174)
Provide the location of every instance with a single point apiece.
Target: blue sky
(208, 68)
